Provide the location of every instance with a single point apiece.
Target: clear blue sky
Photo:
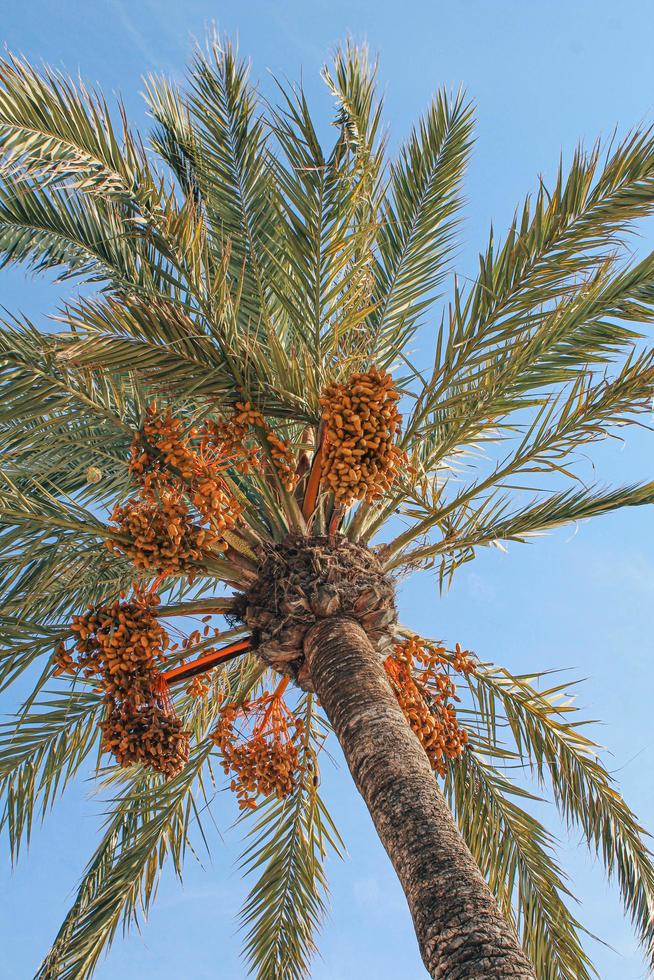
(543, 73)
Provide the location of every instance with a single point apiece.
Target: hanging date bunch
(122, 644)
(184, 504)
(361, 424)
(158, 534)
(259, 744)
(150, 734)
(421, 679)
(193, 460)
(246, 417)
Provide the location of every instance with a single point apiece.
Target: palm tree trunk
(460, 930)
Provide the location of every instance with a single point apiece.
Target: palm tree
(240, 282)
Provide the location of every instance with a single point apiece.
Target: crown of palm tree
(233, 259)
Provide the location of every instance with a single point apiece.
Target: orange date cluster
(185, 504)
(122, 643)
(361, 423)
(283, 460)
(262, 756)
(422, 683)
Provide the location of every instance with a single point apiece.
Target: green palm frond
(353, 83)
(46, 542)
(233, 171)
(194, 357)
(582, 331)
(158, 341)
(569, 230)
(58, 573)
(286, 848)
(419, 220)
(496, 520)
(62, 458)
(59, 146)
(41, 751)
(60, 132)
(174, 138)
(549, 738)
(43, 509)
(331, 208)
(79, 237)
(38, 383)
(560, 252)
(317, 238)
(56, 420)
(514, 852)
(357, 166)
(584, 412)
(23, 643)
(150, 823)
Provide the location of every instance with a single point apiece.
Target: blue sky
(543, 75)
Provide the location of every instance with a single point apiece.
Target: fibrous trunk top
(304, 579)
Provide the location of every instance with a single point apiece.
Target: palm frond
(565, 758)
(57, 574)
(150, 823)
(514, 852)
(63, 133)
(357, 168)
(58, 140)
(495, 520)
(419, 219)
(331, 200)
(41, 751)
(547, 300)
(586, 411)
(23, 643)
(174, 137)
(287, 848)
(38, 382)
(233, 170)
(56, 421)
(154, 340)
(51, 553)
(353, 83)
(79, 237)
(169, 349)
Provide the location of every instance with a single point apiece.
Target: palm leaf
(559, 251)
(78, 237)
(514, 852)
(286, 848)
(174, 138)
(419, 220)
(150, 823)
(61, 132)
(41, 751)
(583, 790)
(233, 169)
(494, 521)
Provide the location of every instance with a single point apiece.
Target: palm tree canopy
(232, 258)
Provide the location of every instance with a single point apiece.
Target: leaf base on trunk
(303, 580)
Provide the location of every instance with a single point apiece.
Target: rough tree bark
(461, 932)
